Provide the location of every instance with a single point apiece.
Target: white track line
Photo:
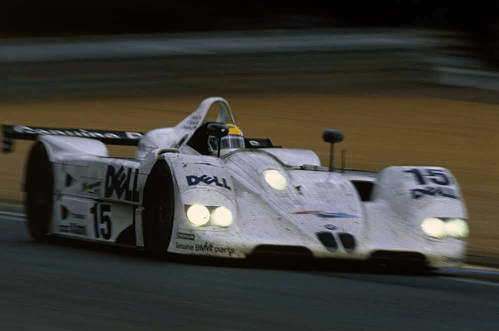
(13, 217)
(472, 281)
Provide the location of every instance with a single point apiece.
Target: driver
(233, 140)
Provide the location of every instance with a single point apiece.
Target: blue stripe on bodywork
(335, 215)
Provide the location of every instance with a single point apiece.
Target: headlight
(198, 215)
(434, 227)
(275, 179)
(457, 228)
(221, 217)
(201, 215)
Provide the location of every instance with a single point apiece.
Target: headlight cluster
(200, 215)
(443, 228)
(275, 179)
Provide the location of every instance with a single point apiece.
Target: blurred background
(418, 41)
(28, 17)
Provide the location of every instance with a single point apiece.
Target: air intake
(348, 241)
(327, 239)
(364, 189)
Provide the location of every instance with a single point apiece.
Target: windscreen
(231, 142)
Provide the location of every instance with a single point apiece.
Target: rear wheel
(158, 210)
(39, 187)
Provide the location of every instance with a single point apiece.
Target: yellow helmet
(233, 140)
(233, 129)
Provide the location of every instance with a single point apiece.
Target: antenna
(331, 157)
(219, 143)
(343, 160)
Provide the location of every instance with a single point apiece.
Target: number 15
(436, 176)
(102, 220)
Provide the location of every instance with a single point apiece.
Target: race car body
(200, 188)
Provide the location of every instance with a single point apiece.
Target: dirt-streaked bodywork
(325, 214)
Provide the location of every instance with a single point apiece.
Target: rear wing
(23, 132)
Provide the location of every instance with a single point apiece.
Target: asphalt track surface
(68, 286)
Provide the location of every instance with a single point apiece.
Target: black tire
(39, 188)
(158, 210)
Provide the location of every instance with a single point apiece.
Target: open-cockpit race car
(202, 188)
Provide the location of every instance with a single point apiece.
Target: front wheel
(158, 210)
(39, 188)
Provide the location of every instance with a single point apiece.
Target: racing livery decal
(119, 181)
(194, 180)
(206, 247)
(433, 191)
(336, 215)
(192, 123)
(91, 188)
(22, 129)
(431, 176)
(102, 220)
(185, 236)
(73, 228)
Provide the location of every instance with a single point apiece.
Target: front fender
(403, 197)
(420, 191)
(201, 180)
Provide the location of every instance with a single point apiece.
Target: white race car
(202, 188)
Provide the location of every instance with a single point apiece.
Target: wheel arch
(159, 180)
(159, 165)
(39, 186)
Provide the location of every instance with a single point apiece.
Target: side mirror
(218, 130)
(332, 137)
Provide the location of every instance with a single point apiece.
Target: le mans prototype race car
(202, 188)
